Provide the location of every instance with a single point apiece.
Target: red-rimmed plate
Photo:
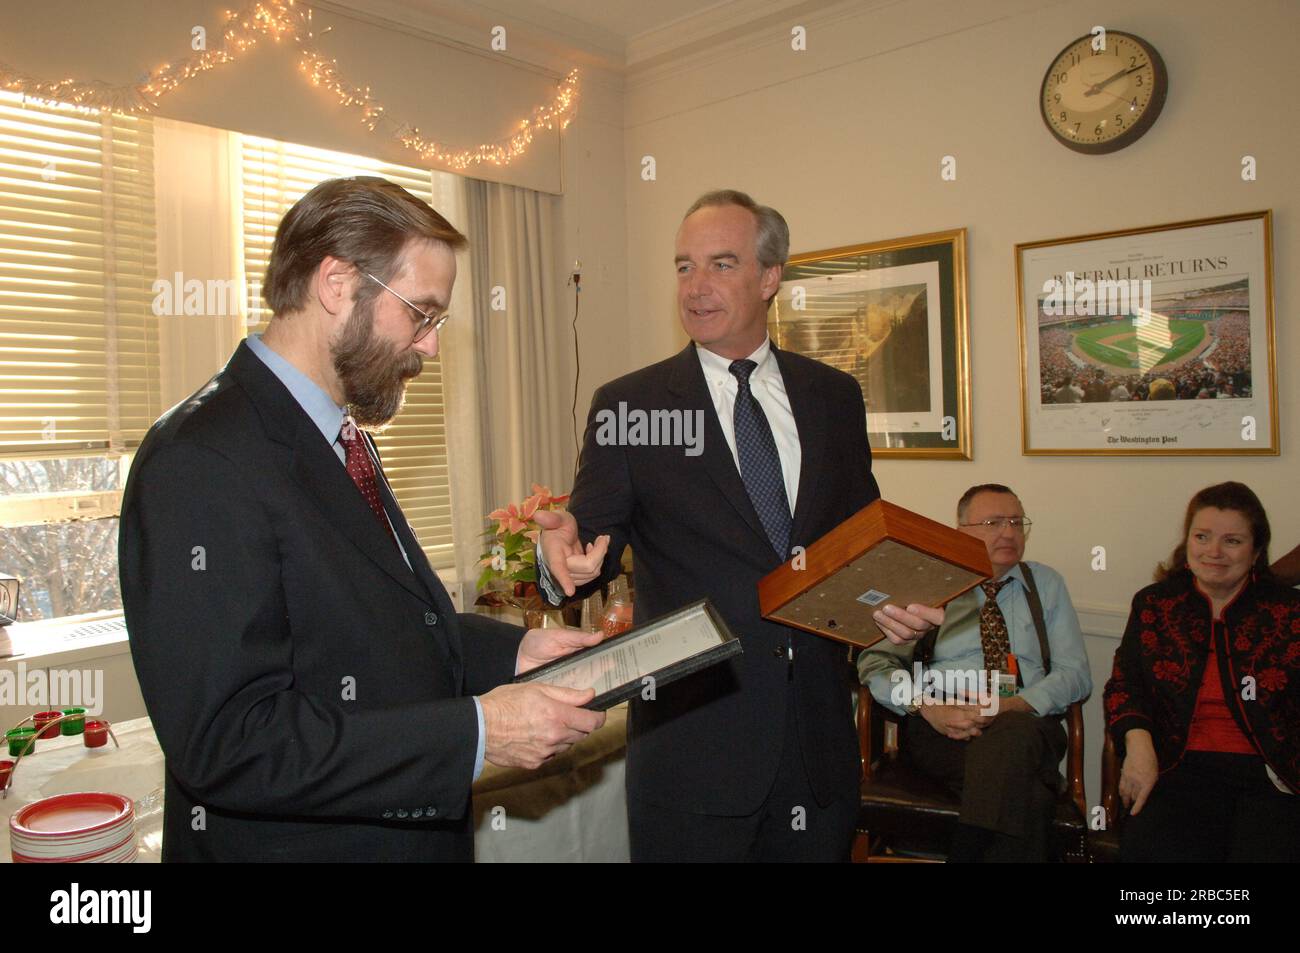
(115, 854)
(70, 815)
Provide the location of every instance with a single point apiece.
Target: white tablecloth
(572, 810)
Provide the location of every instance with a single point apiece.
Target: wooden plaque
(879, 556)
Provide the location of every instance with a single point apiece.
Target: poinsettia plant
(509, 567)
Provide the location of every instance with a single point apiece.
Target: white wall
(846, 139)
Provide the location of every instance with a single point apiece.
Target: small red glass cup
(96, 734)
(6, 769)
(43, 719)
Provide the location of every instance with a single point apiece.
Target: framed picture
(1151, 340)
(892, 314)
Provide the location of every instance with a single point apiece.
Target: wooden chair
(1103, 845)
(907, 817)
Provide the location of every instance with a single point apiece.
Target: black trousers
(1007, 779)
(789, 827)
(1214, 808)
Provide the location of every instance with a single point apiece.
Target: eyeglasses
(427, 321)
(996, 523)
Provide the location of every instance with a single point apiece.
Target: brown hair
(964, 503)
(363, 220)
(1238, 498)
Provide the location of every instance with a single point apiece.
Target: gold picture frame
(893, 314)
(1153, 341)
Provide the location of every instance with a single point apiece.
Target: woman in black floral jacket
(1204, 700)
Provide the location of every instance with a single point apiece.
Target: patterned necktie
(994, 638)
(760, 465)
(362, 471)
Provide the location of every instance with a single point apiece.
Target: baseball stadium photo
(1190, 345)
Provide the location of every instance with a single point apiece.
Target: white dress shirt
(768, 387)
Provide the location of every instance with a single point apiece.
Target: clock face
(1097, 101)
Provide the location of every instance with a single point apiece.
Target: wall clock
(1096, 101)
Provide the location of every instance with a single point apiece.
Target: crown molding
(466, 25)
(725, 24)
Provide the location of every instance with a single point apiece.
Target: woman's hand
(1140, 771)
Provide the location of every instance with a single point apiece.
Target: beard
(373, 371)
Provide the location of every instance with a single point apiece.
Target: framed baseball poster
(1153, 340)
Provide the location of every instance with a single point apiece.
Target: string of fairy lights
(286, 21)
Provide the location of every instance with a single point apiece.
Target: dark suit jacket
(310, 692)
(711, 743)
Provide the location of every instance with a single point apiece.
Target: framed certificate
(645, 658)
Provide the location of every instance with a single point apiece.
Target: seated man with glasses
(1000, 755)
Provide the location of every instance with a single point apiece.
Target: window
(78, 345)
(414, 447)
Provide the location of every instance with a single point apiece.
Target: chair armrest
(1074, 758)
(1110, 770)
(866, 749)
(875, 739)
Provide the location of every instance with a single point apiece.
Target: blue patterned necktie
(760, 465)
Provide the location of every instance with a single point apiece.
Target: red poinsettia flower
(1148, 616)
(1150, 640)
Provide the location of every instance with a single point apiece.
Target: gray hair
(773, 232)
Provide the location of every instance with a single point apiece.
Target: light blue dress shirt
(958, 647)
(328, 418)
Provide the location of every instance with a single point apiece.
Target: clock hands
(1096, 88)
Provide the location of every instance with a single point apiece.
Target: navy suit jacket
(712, 743)
(309, 690)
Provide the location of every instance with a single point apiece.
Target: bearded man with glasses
(1001, 761)
(315, 692)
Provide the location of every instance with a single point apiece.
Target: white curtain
(458, 351)
(524, 347)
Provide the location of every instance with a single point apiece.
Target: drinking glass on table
(617, 617)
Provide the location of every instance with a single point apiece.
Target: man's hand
(959, 722)
(527, 725)
(540, 646)
(569, 563)
(902, 627)
(1140, 771)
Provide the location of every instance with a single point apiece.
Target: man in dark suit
(755, 759)
(315, 693)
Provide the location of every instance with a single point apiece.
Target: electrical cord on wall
(576, 280)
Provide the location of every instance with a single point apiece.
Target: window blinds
(78, 337)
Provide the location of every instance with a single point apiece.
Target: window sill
(51, 642)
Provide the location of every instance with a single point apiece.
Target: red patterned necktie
(362, 471)
(994, 638)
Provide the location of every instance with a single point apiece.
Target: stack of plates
(91, 828)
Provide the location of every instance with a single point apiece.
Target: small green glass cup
(76, 724)
(19, 738)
